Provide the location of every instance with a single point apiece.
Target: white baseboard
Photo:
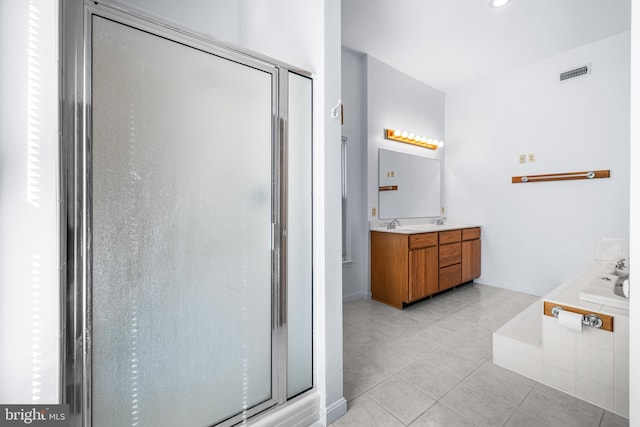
(336, 410)
(303, 411)
(354, 296)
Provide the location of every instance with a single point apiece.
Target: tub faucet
(621, 263)
(441, 220)
(392, 225)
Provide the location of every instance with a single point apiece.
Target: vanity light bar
(411, 138)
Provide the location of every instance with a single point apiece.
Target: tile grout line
(450, 304)
(453, 387)
(520, 404)
(382, 407)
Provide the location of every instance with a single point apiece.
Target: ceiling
(447, 43)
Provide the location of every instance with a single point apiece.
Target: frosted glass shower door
(181, 289)
(299, 243)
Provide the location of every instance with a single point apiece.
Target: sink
(619, 275)
(431, 227)
(606, 289)
(621, 272)
(422, 228)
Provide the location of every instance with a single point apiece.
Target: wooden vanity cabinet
(423, 266)
(471, 259)
(408, 267)
(450, 259)
(389, 267)
(404, 267)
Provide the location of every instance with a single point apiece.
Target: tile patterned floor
(430, 365)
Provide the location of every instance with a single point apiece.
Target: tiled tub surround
(430, 365)
(592, 365)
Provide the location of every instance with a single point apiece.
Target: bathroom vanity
(413, 262)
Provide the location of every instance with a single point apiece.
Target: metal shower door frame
(76, 194)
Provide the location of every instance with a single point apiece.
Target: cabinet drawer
(470, 233)
(450, 236)
(423, 240)
(449, 276)
(450, 254)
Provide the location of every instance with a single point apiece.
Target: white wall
(29, 248)
(396, 100)
(219, 19)
(537, 235)
(355, 273)
(333, 403)
(378, 97)
(307, 35)
(634, 356)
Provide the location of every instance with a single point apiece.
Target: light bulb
(405, 134)
(418, 137)
(423, 139)
(397, 133)
(440, 144)
(498, 3)
(411, 136)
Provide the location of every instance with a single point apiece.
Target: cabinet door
(389, 264)
(423, 273)
(470, 260)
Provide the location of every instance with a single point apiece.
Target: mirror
(409, 185)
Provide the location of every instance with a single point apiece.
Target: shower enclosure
(187, 222)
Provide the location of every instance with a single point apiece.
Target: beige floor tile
(557, 408)
(483, 409)
(612, 420)
(429, 378)
(365, 373)
(469, 330)
(393, 357)
(364, 412)
(520, 419)
(424, 316)
(452, 363)
(438, 336)
(415, 343)
(350, 391)
(401, 399)
(440, 349)
(475, 349)
(440, 416)
(501, 383)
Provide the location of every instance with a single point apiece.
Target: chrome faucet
(392, 225)
(621, 264)
(441, 220)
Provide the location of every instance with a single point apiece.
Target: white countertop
(569, 292)
(423, 228)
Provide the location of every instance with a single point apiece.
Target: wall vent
(576, 72)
